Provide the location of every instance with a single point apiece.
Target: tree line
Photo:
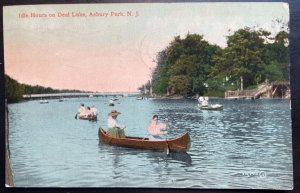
(14, 90)
(191, 65)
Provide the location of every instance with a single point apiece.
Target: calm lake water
(247, 145)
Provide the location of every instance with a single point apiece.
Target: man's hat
(114, 113)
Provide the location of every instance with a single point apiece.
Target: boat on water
(178, 144)
(43, 102)
(61, 99)
(215, 107)
(89, 118)
(111, 103)
(114, 99)
(203, 105)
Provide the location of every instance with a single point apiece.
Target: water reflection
(181, 157)
(152, 155)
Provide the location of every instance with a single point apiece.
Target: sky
(107, 51)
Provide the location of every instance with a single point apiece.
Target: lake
(247, 145)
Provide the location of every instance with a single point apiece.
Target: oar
(167, 149)
(146, 136)
(167, 128)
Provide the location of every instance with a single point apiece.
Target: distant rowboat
(43, 101)
(111, 103)
(61, 99)
(114, 99)
(89, 118)
(216, 107)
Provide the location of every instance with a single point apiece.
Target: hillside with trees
(191, 65)
(14, 90)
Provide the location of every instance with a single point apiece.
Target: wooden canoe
(178, 144)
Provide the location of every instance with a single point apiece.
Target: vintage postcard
(148, 95)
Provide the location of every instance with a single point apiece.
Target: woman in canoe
(114, 128)
(155, 128)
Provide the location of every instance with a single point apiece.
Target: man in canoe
(155, 128)
(114, 128)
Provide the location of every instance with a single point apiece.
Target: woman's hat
(155, 116)
(114, 113)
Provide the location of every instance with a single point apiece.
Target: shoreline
(177, 97)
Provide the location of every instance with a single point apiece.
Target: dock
(276, 89)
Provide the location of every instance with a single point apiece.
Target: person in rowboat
(114, 128)
(155, 128)
(94, 111)
(203, 101)
(80, 111)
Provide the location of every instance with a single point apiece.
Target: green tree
(191, 57)
(192, 66)
(181, 84)
(160, 76)
(273, 71)
(241, 59)
(276, 58)
(13, 90)
(145, 88)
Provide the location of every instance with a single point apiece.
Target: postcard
(187, 95)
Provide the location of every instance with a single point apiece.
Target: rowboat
(111, 103)
(89, 118)
(61, 99)
(43, 101)
(216, 107)
(178, 144)
(114, 99)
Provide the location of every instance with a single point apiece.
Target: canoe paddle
(167, 150)
(146, 136)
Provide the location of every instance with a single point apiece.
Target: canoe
(178, 144)
(216, 107)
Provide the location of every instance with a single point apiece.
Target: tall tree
(276, 58)
(13, 90)
(183, 66)
(160, 76)
(191, 65)
(241, 59)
